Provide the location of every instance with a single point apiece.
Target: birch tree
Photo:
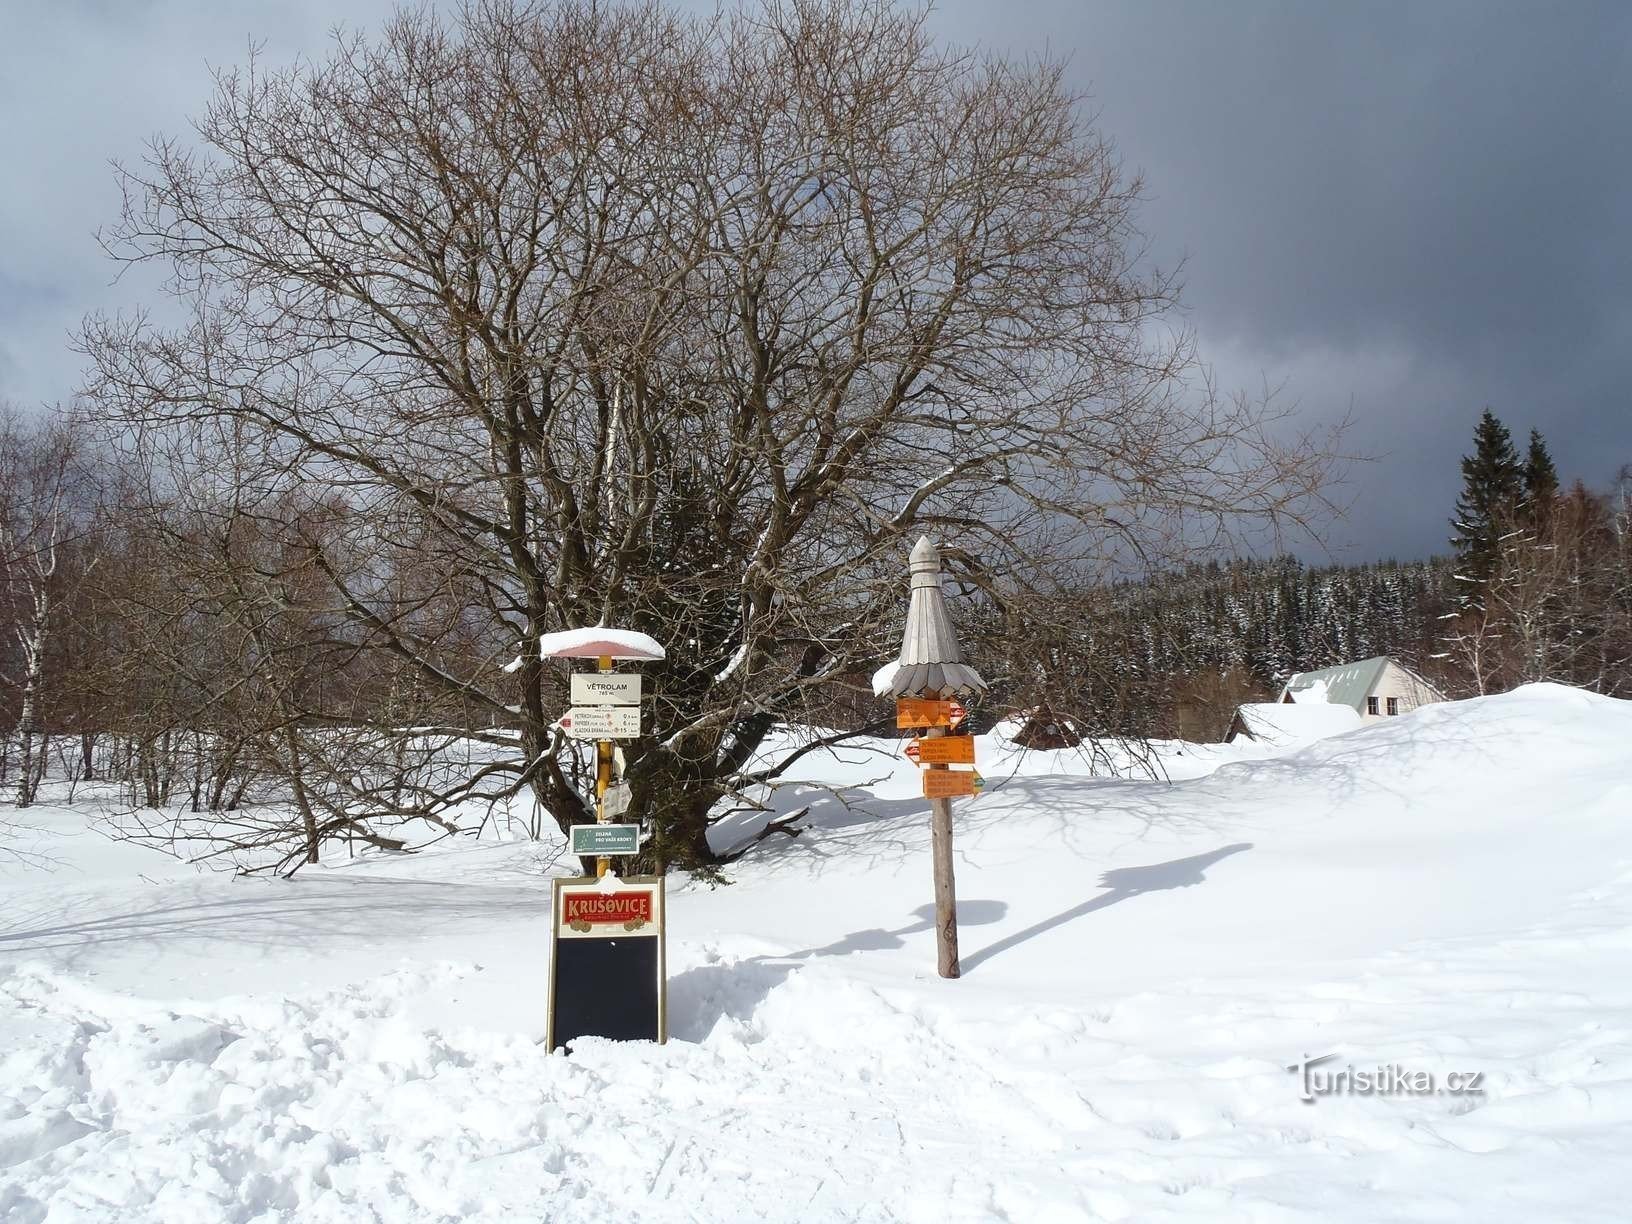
(45, 523)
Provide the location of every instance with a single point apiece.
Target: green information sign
(605, 839)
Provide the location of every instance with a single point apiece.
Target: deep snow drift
(1448, 893)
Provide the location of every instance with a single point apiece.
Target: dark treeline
(1539, 587)
(1174, 654)
(1272, 618)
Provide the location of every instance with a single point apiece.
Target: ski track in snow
(809, 1078)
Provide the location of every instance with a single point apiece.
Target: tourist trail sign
(947, 750)
(948, 783)
(608, 688)
(915, 713)
(602, 722)
(607, 970)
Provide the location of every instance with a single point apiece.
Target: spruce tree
(1492, 488)
(1540, 480)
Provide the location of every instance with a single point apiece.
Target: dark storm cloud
(83, 83)
(1436, 172)
(1403, 211)
(1408, 211)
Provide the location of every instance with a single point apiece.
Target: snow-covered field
(1448, 893)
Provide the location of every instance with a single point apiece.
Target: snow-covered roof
(1313, 693)
(1282, 726)
(595, 642)
(1347, 684)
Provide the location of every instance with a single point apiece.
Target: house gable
(1402, 685)
(1358, 685)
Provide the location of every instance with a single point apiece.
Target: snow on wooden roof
(1346, 684)
(598, 641)
(1280, 725)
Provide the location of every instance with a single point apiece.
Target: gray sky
(1405, 212)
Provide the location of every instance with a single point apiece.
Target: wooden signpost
(925, 681)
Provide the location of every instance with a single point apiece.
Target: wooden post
(603, 777)
(946, 890)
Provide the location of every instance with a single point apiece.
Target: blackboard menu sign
(607, 971)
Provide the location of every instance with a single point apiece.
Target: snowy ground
(1449, 892)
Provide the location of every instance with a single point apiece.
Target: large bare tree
(596, 313)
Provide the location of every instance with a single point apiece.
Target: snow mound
(1523, 739)
(1282, 724)
(1448, 892)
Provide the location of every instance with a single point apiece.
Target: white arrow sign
(602, 722)
(606, 688)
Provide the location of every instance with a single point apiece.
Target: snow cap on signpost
(931, 662)
(599, 642)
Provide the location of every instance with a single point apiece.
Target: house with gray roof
(1372, 688)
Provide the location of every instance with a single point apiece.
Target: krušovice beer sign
(608, 973)
(582, 912)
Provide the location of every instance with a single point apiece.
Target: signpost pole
(931, 670)
(608, 966)
(603, 777)
(946, 892)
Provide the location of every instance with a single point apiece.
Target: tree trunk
(167, 757)
(224, 768)
(196, 790)
(25, 736)
(42, 761)
(302, 801)
(148, 770)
